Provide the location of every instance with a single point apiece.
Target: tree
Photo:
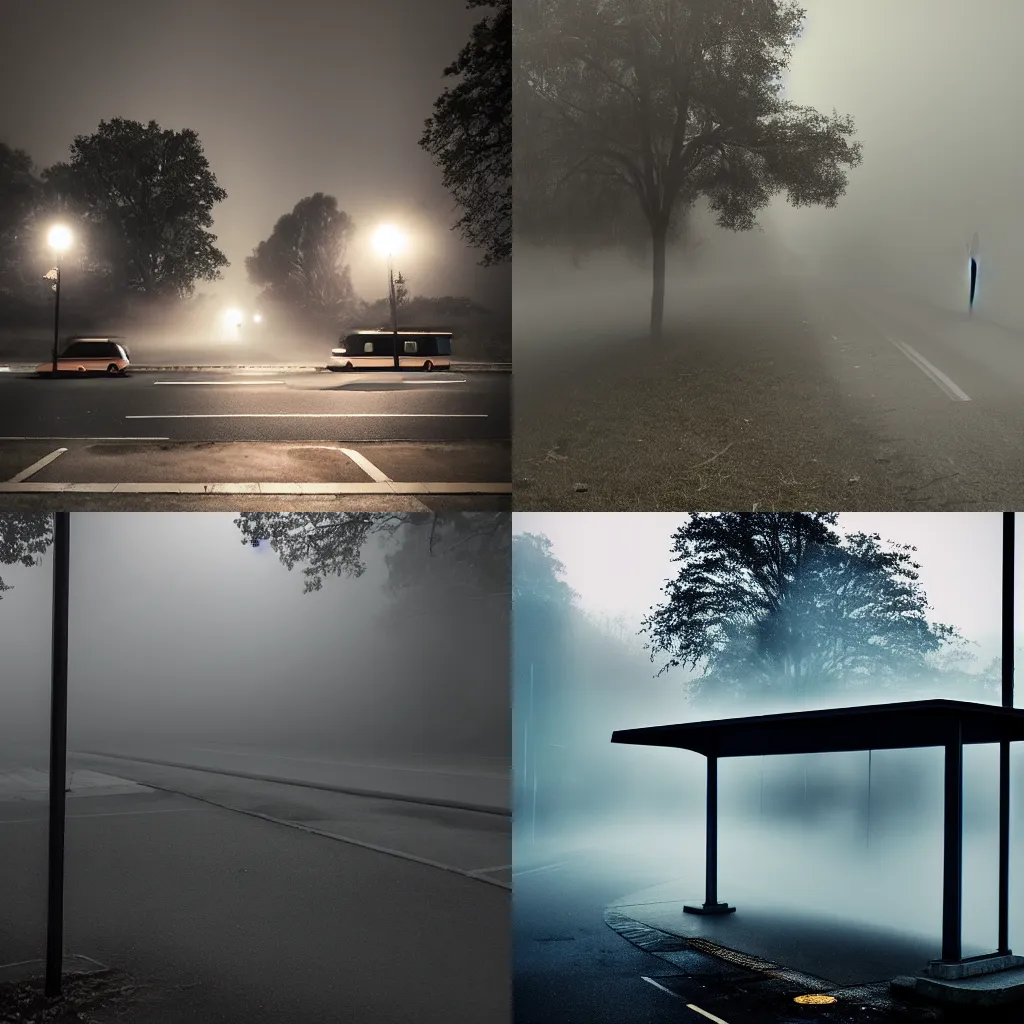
(538, 573)
(148, 192)
(19, 195)
(470, 134)
(677, 99)
(778, 602)
(302, 264)
(331, 543)
(24, 539)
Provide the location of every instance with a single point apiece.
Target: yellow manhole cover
(815, 999)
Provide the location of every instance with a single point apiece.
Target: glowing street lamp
(388, 241)
(59, 239)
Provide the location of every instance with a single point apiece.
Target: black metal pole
(393, 297)
(952, 852)
(56, 319)
(1009, 539)
(58, 756)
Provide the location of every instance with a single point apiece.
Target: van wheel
(428, 366)
(112, 370)
(81, 371)
(348, 366)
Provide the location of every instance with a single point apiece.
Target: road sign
(50, 275)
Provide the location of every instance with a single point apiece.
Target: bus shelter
(928, 723)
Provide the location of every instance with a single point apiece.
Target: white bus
(417, 350)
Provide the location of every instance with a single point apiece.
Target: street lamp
(59, 239)
(388, 240)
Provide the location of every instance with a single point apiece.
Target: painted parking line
(37, 465)
(366, 465)
(931, 371)
(216, 383)
(370, 487)
(311, 416)
(704, 1013)
(463, 381)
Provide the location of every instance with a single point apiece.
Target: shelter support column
(711, 904)
(952, 850)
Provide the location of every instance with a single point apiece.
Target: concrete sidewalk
(220, 916)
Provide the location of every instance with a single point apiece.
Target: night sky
(288, 99)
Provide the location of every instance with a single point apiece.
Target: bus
(417, 350)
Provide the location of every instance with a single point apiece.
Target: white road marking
(69, 438)
(463, 381)
(710, 1016)
(311, 416)
(38, 465)
(667, 991)
(366, 465)
(217, 383)
(390, 487)
(931, 371)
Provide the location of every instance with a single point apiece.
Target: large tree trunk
(659, 235)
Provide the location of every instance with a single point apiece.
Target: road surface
(236, 900)
(572, 967)
(265, 406)
(777, 391)
(391, 439)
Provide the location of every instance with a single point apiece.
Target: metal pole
(1009, 539)
(952, 853)
(56, 319)
(394, 306)
(867, 816)
(58, 756)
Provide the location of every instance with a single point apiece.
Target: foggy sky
(179, 630)
(934, 87)
(288, 99)
(617, 562)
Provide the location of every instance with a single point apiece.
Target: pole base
(709, 908)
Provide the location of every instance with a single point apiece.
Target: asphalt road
(266, 406)
(237, 900)
(571, 967)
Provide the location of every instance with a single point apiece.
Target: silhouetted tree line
(139, 200)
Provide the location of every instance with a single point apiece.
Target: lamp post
(59, 239)
(388, 241)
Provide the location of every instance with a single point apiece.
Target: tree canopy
(538, 573)
(145, 194)
(302, 263)
(668, 101)
(24, 539)
(19, 196)
(470, 134)
(329, 544)
(779, 603)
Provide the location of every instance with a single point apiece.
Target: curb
(458, 805)
(369, 487)
(275, 367)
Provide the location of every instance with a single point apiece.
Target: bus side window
(410, 348)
